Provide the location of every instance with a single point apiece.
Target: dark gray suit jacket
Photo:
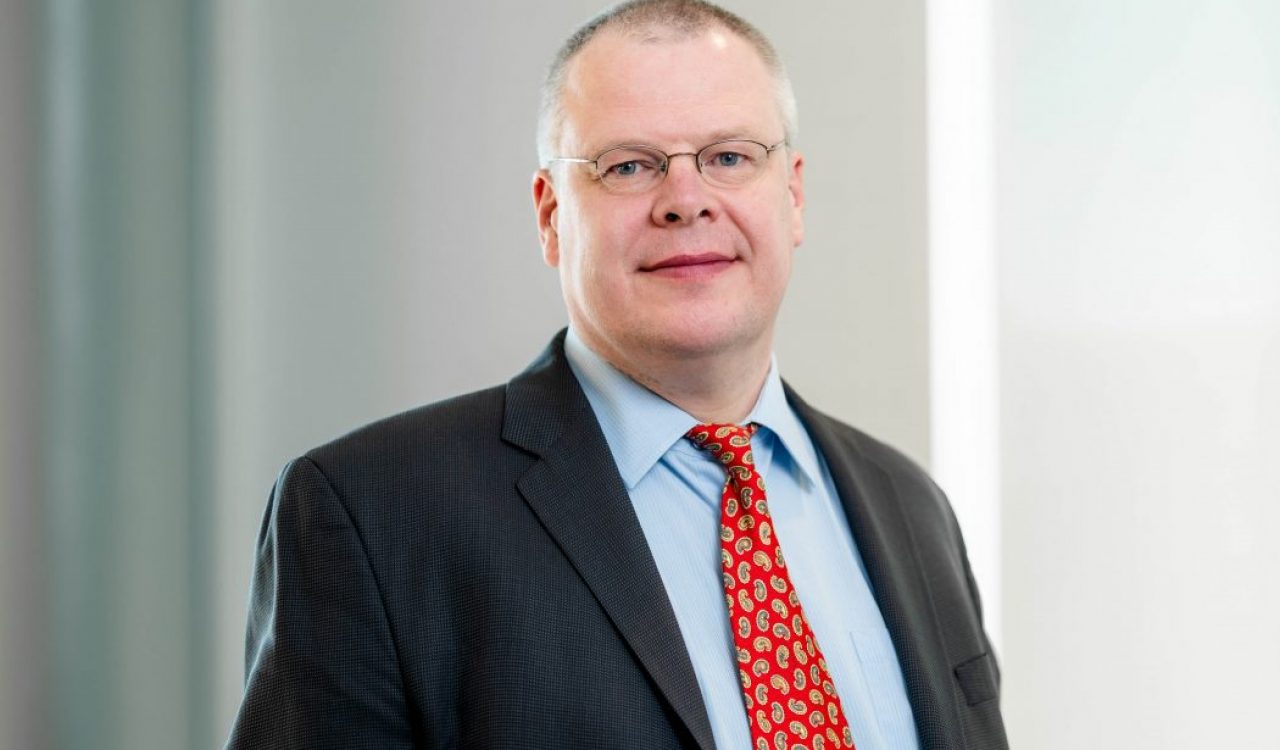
(471, 574)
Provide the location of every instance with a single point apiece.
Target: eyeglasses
(635, 169)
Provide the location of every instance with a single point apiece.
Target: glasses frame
(666, 162)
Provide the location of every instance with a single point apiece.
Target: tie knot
(729, 443)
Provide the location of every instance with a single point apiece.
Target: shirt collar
(773, 413)
(641, 426)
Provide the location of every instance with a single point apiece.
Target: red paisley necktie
(789, 694)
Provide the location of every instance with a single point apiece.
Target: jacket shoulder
(921, 498)
(437, 434)
(897, 464)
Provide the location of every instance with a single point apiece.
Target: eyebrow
(734, 134)
(730, 134)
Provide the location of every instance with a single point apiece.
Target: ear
(544, 206)
(795, 186)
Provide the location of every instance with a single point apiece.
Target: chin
(697, 341)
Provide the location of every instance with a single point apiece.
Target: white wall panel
(1139, 150)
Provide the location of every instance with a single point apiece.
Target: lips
(690, 261)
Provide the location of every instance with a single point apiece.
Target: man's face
(686, 269)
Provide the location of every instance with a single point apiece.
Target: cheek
(586, 271)
(575, 238)
(602, 246)
(770, 229)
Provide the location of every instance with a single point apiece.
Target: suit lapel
(889, 552)
(577, 493)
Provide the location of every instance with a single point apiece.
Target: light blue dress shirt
(675, 488)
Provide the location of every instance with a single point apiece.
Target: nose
(683, 197)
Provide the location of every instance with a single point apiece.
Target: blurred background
(1043, 258)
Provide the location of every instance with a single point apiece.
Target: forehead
(673, 92)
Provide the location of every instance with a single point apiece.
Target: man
(589, 556)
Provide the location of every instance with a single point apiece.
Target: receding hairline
(655, 22)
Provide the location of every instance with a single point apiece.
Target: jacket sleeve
(321, 666)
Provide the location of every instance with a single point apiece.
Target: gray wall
(234, 230)
(376, 247)
(120, 450)
(23, 648)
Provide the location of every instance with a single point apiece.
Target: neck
(720, 387)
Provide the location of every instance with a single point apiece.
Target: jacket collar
(878, 518)
(576, 491)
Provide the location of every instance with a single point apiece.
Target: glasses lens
(733, 162)
(631, 169)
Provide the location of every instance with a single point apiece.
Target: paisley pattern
(790, 698)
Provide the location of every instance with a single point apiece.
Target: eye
(727, 159)
(628, 164)
(626, 169)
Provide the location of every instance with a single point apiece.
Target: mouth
(695, 264)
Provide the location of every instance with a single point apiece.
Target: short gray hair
(678, 18)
